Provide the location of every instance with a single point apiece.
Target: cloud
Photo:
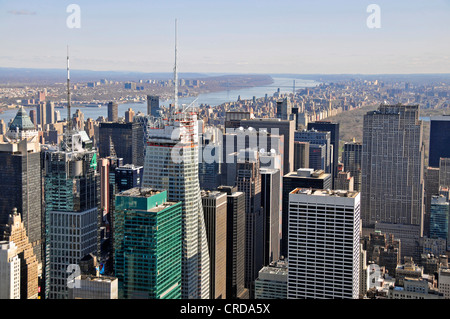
(22, 12)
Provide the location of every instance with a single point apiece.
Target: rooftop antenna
(69, 124)
(175, 72)
(191, 104)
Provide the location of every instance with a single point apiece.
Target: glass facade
(439, 212)
(148, 245)
(72, 215)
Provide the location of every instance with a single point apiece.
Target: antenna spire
(69, 122)
(175, 71)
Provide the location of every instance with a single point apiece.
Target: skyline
(232, 37)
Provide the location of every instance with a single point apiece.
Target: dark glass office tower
(215, 212)
(301, 155)
(439, 139)
(50, 112)
(284, 109)
(320, 148)
(72, 208)
(351, 158)
(113, 111)
(270, 201)
(333, 128)
(235, 243)
(128, 176)
(125, 139)
(431, 187)
(152, 105)
(21, 178)
(249, 182)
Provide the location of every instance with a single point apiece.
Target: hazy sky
(245, 36)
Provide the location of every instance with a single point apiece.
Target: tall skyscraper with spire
(72, 203)
(171, 163)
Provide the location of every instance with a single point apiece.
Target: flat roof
(140, 192)
(325, 192)
(318, 174)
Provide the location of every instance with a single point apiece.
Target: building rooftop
(105, 279)
(21, 121)
(308, 173)
(140, 192)
(129, 167)
(212, 194)
(325, 192)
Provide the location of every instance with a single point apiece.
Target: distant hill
(411, 78)
(50, 76)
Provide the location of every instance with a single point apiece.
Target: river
(213, 98)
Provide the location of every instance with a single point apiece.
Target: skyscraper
(284, 109)
(272, 281)
(277, 127)
(9, 271)
(235, 243)
(171, 163)
(41, 114)
(301, 155)
(444, 172)
(147, 245)
(249, 182)
(210, 163)
(129, 115)
(307, 178)
(33, 118)
(3, 127)
(323, 257)
(316, 139)
(392, 173)
(431, 188)
(439, 139)
(233, 119)
(113, 111)
(215, 211)
(351, 158)
(50, 112)
(344, 181)
(271, 202)
(15, 232)
(153, 105)
(439, 217)
(240, 139)
(333, 128)
(125, 139)
(72, 204)
(21, 178)
(128, 176)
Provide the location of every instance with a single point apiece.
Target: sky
(232, 36)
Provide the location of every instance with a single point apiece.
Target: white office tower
(9, 271)
(171, 163)
(323, 244)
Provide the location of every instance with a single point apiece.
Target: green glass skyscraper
(147, 245)
(439, 217)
